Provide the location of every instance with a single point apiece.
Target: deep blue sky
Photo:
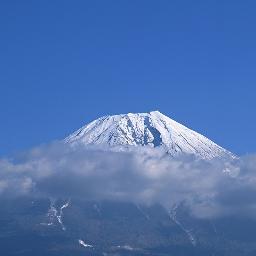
(64, 63)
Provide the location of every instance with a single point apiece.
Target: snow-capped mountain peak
(153, 129)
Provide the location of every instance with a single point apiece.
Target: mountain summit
(153, 129)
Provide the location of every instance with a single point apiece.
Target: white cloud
(141, 175)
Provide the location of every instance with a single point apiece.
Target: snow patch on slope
(188, 232)
(85, 245)
(53, 214)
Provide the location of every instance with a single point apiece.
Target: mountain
(37, 224)
(153, 129)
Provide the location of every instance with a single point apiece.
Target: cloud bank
(141, 175)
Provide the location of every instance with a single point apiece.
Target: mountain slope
(153, 129)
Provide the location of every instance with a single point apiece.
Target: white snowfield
(153, 129)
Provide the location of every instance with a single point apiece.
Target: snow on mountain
(153, 129)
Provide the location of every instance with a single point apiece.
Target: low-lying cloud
(141, 175)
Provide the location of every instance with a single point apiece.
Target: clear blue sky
(64, 63)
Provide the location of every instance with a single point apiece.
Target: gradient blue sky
(64, 63)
